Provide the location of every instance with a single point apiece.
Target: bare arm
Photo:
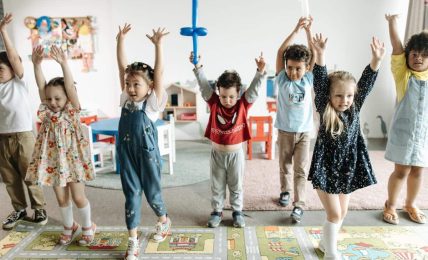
(318, 44)
(280, 54)
(12, 54)
(397, 46)
(156, 39)
(378, 52)
(59, 56)
(36, 58)
(309, 39)
(120, 53)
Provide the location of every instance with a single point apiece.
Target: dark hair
(418, 42)
(5, 60)
(57, 82)
(141, 69)
(229, 79)
(298, 52)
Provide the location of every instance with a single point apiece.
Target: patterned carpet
(266, 243)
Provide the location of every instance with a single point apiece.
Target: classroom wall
(237, 32)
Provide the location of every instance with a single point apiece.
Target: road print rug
(265, 243)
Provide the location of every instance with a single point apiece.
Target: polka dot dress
(341, 164)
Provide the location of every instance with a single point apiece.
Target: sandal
(390, 215)
(86, 240)
(65, 239)
(415, 214)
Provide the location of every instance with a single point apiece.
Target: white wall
(237, 32)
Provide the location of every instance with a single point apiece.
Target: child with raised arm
(143, 97)
(340, 162)
(16, 136)
(407, 143)
(228, 129)
(61, 156)
(294, 118)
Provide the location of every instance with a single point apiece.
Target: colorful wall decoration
(74, 35)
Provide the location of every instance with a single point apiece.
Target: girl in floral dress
(61, 156)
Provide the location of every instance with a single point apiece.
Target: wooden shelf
(178, 97)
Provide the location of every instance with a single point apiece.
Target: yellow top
(402, 74)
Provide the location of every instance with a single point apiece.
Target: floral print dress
(61, 153)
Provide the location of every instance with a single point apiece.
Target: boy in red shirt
(227, 129)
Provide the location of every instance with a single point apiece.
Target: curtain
(417, 18)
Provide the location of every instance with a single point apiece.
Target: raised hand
(58, 55)
(123, 31)
(261, 64)
(37, 55)
(391, 17)
(7, 19)
(300, 24)
(308, 23)
(319, 42)
(157, 35)
(378, 48)
(198, 65)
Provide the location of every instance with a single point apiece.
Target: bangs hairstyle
(57, 82)
(229, 79)
(5, 60)
(333, 124)
(418, 42)
(298, 52)
(140, 69)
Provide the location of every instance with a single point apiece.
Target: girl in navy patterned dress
(340, 162)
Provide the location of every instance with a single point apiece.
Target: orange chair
(87, 120)
(271, 106)
(257, 126)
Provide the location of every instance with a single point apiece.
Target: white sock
(330, 231)
(85, 217)
(67, 216)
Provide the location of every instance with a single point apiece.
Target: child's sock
(330, 231)
(67, 218)
(85, 216)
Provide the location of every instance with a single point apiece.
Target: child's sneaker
(284, 199)
(297, 214)
(162, 230)
(40, 217)
(133, 249)
(13, 217)
(215, 219)
(238, 219)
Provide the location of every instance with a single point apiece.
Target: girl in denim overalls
(407, 144)
(142, 99)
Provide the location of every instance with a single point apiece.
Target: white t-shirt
(152, 108)
(15, 109)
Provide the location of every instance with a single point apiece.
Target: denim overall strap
(140, 164)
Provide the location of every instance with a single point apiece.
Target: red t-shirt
(228, 126)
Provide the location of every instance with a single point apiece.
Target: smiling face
(342, 94)
(228, 96)
(418, 61)
(137, 87)
(55, 98)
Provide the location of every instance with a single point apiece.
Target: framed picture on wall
(74, 35)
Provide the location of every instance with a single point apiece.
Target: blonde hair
(330, 117)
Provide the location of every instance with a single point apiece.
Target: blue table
(107, 127)
(111, 127)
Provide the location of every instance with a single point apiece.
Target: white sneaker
(133, 249)
(162, 230)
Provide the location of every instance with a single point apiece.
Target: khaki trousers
(15, 154)
(294, 161)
